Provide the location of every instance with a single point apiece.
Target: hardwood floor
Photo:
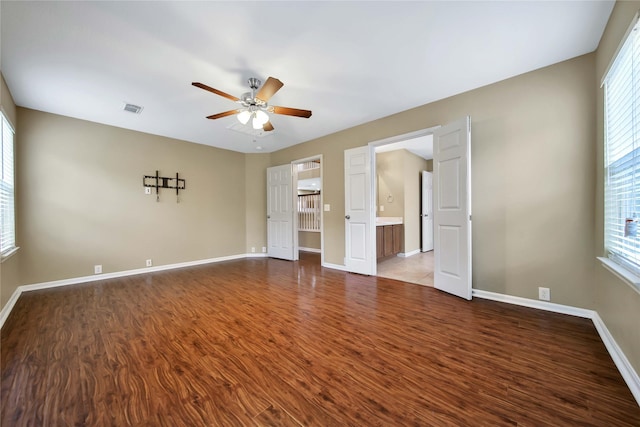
(270, 342)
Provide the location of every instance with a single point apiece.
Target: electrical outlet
(253, 249)
(544, 294)
(264, 249)
(149, 263)
(97, 269)
(147, 190)
(327, 208)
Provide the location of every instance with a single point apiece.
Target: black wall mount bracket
(156, 181)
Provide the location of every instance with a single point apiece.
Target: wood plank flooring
(261, 342)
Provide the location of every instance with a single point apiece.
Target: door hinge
(469, 217)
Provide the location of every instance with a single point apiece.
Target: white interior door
(426, 211)
(360, 250)
(452, 208)
(280, 212)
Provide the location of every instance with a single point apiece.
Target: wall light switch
(327, 208)
(147, 190)
(381, 208)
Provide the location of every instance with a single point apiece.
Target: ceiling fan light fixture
(244, 116)
(255, 105)
(261, 117)
(256, 123)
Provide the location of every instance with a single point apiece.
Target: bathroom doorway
(399, 210)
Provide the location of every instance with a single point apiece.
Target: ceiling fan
(255, 105)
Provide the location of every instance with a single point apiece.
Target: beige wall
(533, 161)
(390, 174)
(310, 173)
(82, 201)
(255, 167)
(412, 167)
(9, 268)
(616, 302)
(309, 239)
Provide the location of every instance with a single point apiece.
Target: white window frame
(622, 159)
(7, 188)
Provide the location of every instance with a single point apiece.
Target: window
(622, 155)
(7, 205)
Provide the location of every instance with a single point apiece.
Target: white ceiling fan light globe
(262, 117)
(256, 123)
(244, 117)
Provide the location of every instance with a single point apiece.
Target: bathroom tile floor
(414, 269)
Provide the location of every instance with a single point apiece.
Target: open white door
(279, 212)
(452, 208)
(359, 251)
(426, 211)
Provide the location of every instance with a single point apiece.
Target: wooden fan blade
(290, 111)
(216, 91)
(269, 88)
(267, 127)
(225, 114)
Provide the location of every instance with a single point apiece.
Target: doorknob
(348, 217)
(268, 216)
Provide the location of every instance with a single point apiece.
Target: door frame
(294, 195)
(373, 183)
(423, 176)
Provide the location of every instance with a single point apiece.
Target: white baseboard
(314, 250)
(625, 368)
(335, 266)
(4, 313)
(408, 254)
(540, 305)
(622, 363)
(256, 255)
(116, 274)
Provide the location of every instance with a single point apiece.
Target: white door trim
(403, 137)
(426, 212)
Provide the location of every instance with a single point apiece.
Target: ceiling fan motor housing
(254, 83)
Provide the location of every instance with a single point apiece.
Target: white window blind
(622, 155)
(7, 193)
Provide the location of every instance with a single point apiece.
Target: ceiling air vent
(136, 109)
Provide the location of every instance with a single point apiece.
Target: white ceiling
(348, 62)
